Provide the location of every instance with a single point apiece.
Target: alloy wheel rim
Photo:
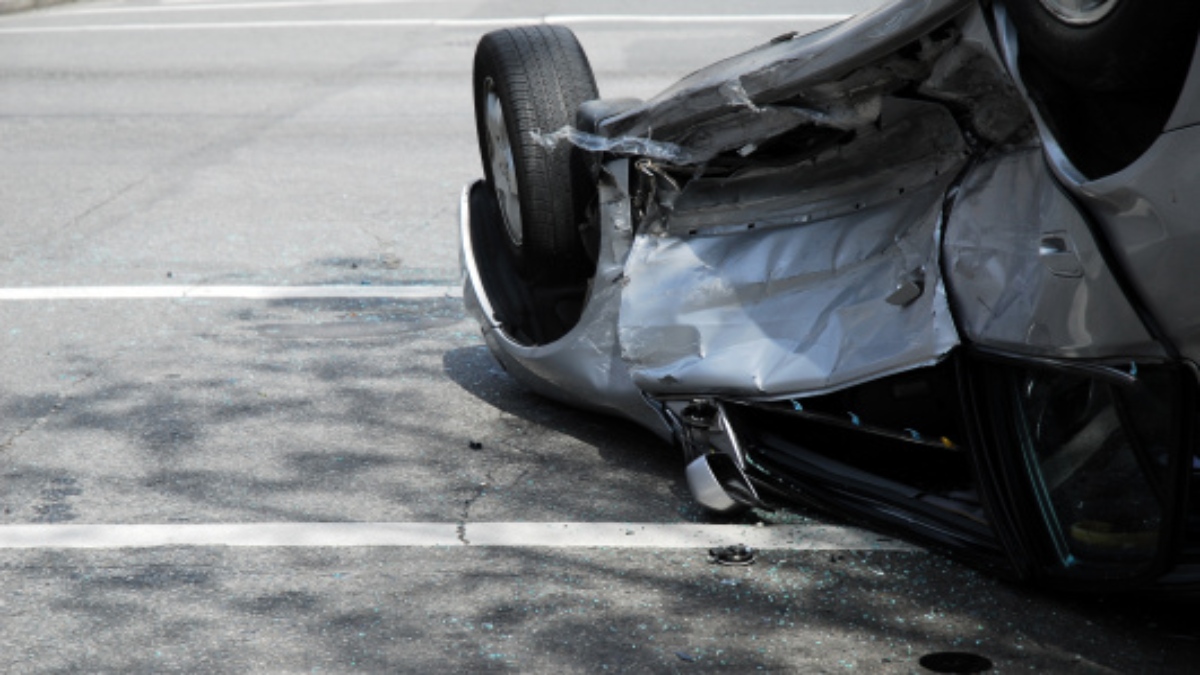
(504, 169)
(1080, 12)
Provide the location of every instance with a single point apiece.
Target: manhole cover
(955, 662)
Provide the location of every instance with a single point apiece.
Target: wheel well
(529, 311)
(1100, 132)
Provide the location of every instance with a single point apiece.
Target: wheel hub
(1080, 12)
(504, 170)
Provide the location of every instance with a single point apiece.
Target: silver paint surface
(1025, 273)
(1150, 214)
(785, 291)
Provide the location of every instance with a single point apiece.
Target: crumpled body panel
(803, 278)
(792, 67)
(835, 79)
(809, 260)
(761, 315)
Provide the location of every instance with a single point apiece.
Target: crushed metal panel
(830, 291)
(915, 144)
(788, 310)
(1025, 273)
(970, 77)
(789, 68)
(750, 101)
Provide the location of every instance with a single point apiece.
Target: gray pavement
(290, 144)
(538, 611)
(13, 6)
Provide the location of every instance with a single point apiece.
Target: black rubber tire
(540, 75)
(1140, 44)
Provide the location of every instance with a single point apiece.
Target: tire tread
(543, 75)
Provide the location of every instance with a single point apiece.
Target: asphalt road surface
(245, 424)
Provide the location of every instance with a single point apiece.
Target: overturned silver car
(935, 268)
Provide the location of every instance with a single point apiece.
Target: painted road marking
(410, 292)
(192, 6)
(437, 23)
(518, 535)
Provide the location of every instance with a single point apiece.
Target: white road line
(576, 19)
(698, 18)
(411, 292)
(518, 535)
(189, 6)
(655, 535)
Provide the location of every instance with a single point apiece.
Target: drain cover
(955, 662)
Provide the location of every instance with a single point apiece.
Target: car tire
(1109, 45)
(531, 80)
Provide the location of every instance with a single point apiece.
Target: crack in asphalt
(480, 491)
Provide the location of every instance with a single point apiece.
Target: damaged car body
(882, 269)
